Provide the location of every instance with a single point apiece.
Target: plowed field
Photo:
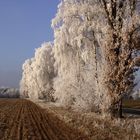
(23, 120)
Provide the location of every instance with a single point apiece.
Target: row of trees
(93, 59)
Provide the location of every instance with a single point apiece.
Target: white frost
(38, 73)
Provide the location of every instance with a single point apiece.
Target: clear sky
(24, 25)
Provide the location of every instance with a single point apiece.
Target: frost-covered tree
(121, 46)
(24, 83)
(38, 74)
(74, 53)
(96, 42)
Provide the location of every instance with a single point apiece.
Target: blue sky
(24, 25)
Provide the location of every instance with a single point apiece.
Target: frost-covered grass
(96, 126)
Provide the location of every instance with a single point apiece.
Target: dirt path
(23, 120)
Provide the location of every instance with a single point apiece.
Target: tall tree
(121, 46)
(77, 53)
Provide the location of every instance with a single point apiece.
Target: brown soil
(23, 120)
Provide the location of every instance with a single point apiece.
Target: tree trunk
(116, 109)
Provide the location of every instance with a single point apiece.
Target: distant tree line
(9, 93)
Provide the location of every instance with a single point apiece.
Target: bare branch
(107, 13)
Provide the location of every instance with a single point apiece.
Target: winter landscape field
(83, 84)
